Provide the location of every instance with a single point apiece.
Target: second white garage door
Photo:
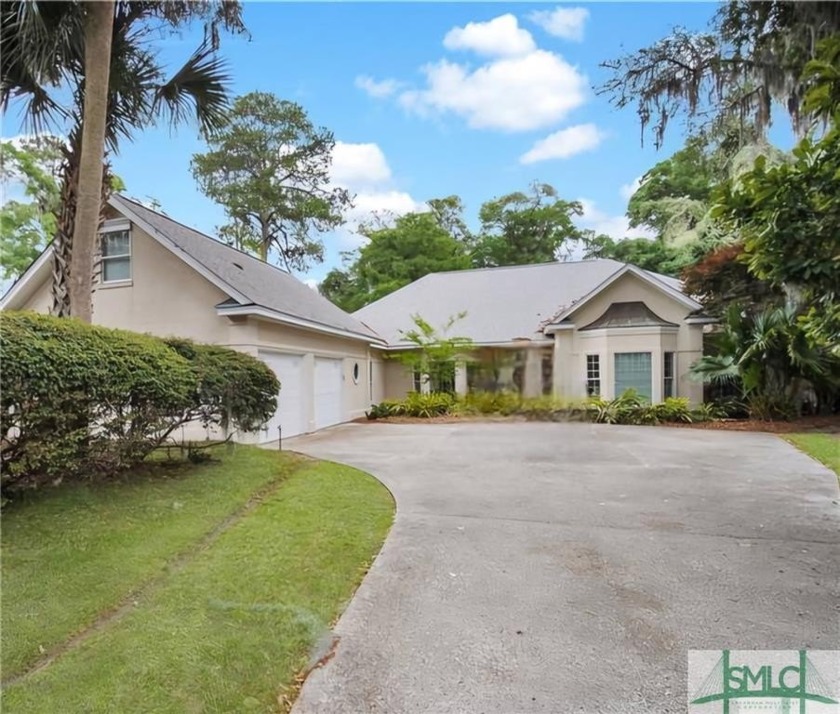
(328, 388)
(289, 414)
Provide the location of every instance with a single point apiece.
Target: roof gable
(664, 284)
(252, 285)
(248, 281)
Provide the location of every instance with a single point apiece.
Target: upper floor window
(593, 375)
(116, 256)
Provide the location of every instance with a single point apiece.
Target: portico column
(561, 364)
(461, 386)
(532, 384)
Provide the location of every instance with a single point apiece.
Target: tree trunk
(63, 238)
(99, 24)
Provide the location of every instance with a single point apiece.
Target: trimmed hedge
(81, 400)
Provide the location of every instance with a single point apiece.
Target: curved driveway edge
(569, 567)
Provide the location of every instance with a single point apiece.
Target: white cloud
(358, 165)
(628, 189)
(382, 206)
(565, 22)
(564, 143)
(512, 94)
(499, 37)
(377, 88)
(364, 171)
(617, 227)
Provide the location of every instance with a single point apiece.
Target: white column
(461, 386)
(656, 372)
(532, 384)
(559, 365)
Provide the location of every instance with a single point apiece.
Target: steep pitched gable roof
(501, 304)
(249, 282)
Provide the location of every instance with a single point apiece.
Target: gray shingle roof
(501, 304)
(262, 284)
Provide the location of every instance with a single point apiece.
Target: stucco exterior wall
(572, 346)
(356, 395)
(398, 380)
(41, 299)
(164, 297)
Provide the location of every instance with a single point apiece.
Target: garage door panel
(289, 414)
(328, 390)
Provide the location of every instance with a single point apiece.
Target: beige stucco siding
(165, 297)
(572, 346)
(41, 299)
(398, 379)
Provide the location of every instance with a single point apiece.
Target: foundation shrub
(504, 403)
(416, 404)
(79, 400)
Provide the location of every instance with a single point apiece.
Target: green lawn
(218, 619)
(823, 447)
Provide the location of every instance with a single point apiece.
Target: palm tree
(770, 357)
(98, 29)
(44, 49)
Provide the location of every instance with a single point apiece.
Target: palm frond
(199, 89)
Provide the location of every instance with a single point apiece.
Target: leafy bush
(673, 409)
(416, 404)
(384, 409)
(77, 399)
(504, 403)
(233, 390)
(630, 408)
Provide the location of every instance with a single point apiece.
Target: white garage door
(328, 386)
(289, 414)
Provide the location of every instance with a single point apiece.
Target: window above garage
(116, 252)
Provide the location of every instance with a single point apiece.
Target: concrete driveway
(569, 567)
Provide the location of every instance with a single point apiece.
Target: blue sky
(431, 99)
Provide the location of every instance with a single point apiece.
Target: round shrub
(233, 390)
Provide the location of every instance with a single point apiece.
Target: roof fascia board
(276, 316)
(637, 330)
(32, 273)
(513, 345)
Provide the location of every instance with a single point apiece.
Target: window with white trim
(593, 375)
(116, 256)
(668, 375)
(633, 371)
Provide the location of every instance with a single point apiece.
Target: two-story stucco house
(568, 329)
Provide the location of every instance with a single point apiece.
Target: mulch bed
(829, 424)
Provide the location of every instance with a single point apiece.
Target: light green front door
(633, 371)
